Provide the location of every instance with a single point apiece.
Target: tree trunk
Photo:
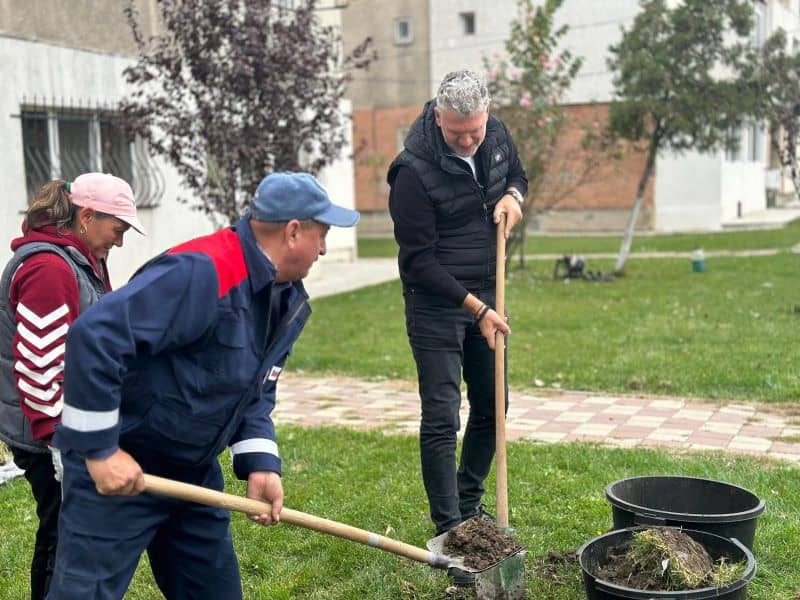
(792, 150)
(625, 248)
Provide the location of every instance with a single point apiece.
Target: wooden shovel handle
(500, 381)
(249, 506)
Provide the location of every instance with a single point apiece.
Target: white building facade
(56, 120)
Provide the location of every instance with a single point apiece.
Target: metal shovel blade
(503, 580)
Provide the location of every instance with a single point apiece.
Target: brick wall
(377, 139)
(613, 182)
(609, 188)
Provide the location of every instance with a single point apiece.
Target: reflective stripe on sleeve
(255, 445)
(88, 420)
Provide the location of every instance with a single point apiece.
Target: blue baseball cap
(286, 196)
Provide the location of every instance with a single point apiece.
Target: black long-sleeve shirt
(414, 218)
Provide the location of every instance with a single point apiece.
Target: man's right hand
(117, 475)
(490, 324)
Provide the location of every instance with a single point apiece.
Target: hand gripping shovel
(249, 506)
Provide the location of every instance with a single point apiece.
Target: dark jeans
(446, 342)
(101, 539)
(46, 490)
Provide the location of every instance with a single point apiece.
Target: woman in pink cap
(57, 271)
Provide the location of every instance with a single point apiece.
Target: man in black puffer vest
(459, 172)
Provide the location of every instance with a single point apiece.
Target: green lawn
(728, 333)
(781, 238)
(372, 481)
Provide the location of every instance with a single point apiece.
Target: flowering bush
(528, 83)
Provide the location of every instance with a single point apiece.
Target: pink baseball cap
(106, 194)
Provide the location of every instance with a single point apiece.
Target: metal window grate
(62, 142)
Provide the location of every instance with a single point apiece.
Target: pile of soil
(480, 543)
(623, 568)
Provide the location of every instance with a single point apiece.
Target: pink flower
(525, 101)
(491, 75)
(543, 58)
(596, 125)
(515, 74)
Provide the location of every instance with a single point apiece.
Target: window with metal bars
(65, 143)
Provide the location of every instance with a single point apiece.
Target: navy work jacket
(184, 359)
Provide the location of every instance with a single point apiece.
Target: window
(73, 146)
(403, 32)
(37, 151)
(60, 143)
(752, 140)
(759, 32)
(467, 23)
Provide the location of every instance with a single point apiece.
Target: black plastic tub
(594, 554)
(702, 504)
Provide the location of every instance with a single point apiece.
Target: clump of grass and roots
(679, 561)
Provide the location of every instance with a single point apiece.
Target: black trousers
(46, 490)
(446, 343)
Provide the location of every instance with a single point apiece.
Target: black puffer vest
(464, 226)
(14, 427)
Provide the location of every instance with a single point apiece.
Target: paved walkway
(556, 416)
(542, 415)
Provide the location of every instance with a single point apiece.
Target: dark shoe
(481, 513)
(463, 579)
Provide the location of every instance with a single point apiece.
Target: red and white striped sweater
(44, 296)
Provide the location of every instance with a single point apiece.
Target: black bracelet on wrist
(481, 313)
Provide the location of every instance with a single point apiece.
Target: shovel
(506, 579)
(501, 464)
(249, 506)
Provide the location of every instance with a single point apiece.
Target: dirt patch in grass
(556, 567)
(784, 409)
(480, 542)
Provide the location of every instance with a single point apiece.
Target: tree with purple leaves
(233, 90)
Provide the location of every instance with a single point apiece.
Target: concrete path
(625, 421)
(330, 277)
(9, 471)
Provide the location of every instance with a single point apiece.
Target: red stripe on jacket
(225, 251)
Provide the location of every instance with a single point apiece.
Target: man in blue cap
(164, 374)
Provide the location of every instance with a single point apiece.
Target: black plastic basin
(702, 504)
(594, 554)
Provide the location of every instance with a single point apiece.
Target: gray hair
(464, 91)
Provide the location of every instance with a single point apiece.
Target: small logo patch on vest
(498, 157)
(273, 374)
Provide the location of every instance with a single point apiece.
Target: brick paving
(624, 421)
